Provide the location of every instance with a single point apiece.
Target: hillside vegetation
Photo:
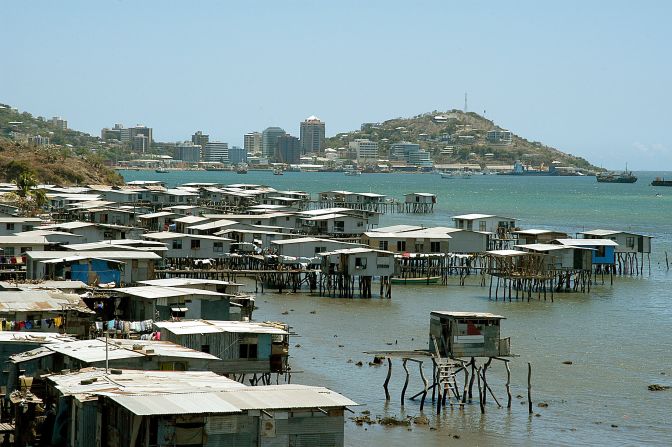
(458, 137)
(69, 159)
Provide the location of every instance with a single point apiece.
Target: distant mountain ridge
(457, 137)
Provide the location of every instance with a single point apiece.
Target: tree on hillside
(25, 183)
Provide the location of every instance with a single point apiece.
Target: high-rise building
(59, 122)
(237, 155)
(269, 139)
(200, 139)
(365, 150)
(252, 142)
(215, 151)
(188, 152)
(410, 153)
(312, 135)
(140, 143)
(288, 149)
(126, 134)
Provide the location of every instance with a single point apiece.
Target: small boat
(353, 172)
(417, 281)
(241, 169)
(661, 182)
(456, 175)
(162, 170)
(278, 171)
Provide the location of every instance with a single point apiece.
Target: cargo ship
(616, 177)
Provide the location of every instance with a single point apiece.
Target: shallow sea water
(619, 337)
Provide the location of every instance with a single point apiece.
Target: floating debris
(393, 421)
(656, 387)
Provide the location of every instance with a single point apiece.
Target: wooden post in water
(387, 379)
(480, 391)
(424, 381)
(508, 384)
(485, 368)
(466, 381)
(403, 390)
(471, 380)
(529, 387)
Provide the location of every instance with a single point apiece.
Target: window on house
(218, 247)
(401, 245)
(171, 199)
(481, 225)
(435, 247)
(25, 249)
(630, 242)
(205, 348)
(469, 225)
(248, 351)
(600, 251)
(383, 245)
(360, 263)
(195, 244)
(360, 224)
(9, 251)
(177, 244)
(320, 249)
(10, 227)
(339, 226)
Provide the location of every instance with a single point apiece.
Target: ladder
(446, 373)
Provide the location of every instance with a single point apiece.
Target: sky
(591, 78)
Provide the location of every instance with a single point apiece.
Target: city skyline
(584, 78)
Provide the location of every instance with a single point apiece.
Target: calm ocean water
(618, 337)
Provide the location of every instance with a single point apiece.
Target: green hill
(458, 137)
(69, 158)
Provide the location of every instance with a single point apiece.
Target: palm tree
(25, 184)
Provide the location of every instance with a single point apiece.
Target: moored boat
(616, 177)
(661, 182)
(417, 281)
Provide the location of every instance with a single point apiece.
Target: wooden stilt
(480, 391)
(424, 381)
(529, 388)
(508, 385)
(403, 390)
(387, 379)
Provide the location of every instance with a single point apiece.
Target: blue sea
(618, 337)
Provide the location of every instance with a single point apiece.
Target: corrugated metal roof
(233, 401)
(154, 292)
(40, 300)
(138, 381)
(165, 404)
(504, 253)
(467, 314)
(215, 326)
(155, 215)
(588, 242)
(180, 282)
(108, 254)
(92, 351)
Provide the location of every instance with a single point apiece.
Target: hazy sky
(591, 78)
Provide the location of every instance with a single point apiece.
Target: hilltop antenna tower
(465, 102)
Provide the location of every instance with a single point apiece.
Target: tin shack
(467, 334)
